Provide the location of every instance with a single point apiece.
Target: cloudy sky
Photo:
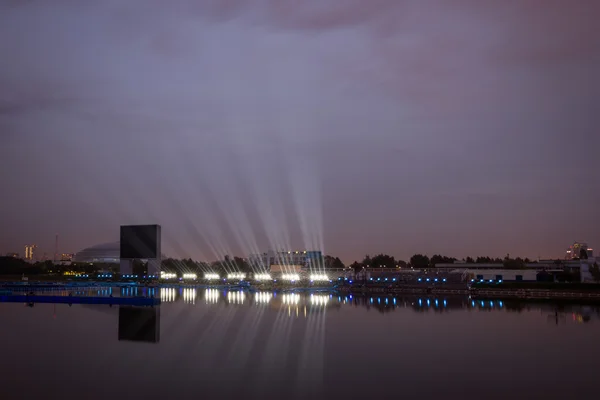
(358, 126)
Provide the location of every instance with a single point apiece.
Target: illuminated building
(66, 256)
(29, 251)
(574, 251)
(304, 258)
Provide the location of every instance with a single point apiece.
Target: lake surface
(214, 344)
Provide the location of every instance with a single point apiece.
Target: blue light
(472, 303)
(444, 280)
(491, 280)
(350, 297)
(420, 302)
(491, 303)
(350, 281)
(386, 300)
(482, 303)
(500, 281)
(435, 280)
(427, 279)
(378, 300)
(501, 304)
(378, 279)
(394, 301)
(419, 280)
(472, 280)
(394, 279)
(345, 279)
(371, 300)
(445, 303)
(428, 303)
(371, 279)
(481, 280)
(436, 302)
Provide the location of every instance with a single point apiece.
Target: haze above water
(217, 345)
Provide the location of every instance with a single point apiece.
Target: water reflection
(139, 324)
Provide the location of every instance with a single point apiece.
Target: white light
(290, 277)
(290, 298)
(190, 276)
(236, 276)
(262, 297)
(319, 300)
(236, 297)
(189, 295)
(319, 277)
(263, 277)
(211, 276)
(165, 275)
(211, 295)
(167, 294)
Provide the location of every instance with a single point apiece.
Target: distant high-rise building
(67, 257)
(29, 251)
(578, 250)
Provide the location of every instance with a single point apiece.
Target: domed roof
(105, 252)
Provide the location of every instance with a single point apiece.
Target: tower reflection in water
(139, 324)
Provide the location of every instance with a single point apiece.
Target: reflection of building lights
(236, 297)
(290, 298)
(319, 300)
(319, 277)
(167, 295)
(189, 295)
(211, 276)
(236, 276)
(290, 277)
(190, 276)
(166, 275)
(263, 277)
(211, 295)
(263, 297)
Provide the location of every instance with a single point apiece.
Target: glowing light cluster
(211, 277)
(263, 297)
(167, 295)
(167, 275)
(263, 277)
(319, 277)
(211, 295)
(290, 277)
(236, 297)
(189, 295)
(319, 300)
(290, 298)
(190, 276)
(236, 276)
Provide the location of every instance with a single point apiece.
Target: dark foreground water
(211, 344)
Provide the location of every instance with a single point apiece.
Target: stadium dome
(101, 253)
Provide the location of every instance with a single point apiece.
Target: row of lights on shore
(241, 276)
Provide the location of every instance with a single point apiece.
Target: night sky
(357, 126)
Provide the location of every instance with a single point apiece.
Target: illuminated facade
(574, 251)
(66, 257)
(29, 251)
(304, 258)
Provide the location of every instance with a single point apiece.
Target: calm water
(214, 344)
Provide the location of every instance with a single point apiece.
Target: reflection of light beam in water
(211, 296)
(236, 297)
(290, 298)
(311, 360)
(262, 297)
(167, 295)
(189, 295)
(246, 339)
(276, 347)
(319, 299)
